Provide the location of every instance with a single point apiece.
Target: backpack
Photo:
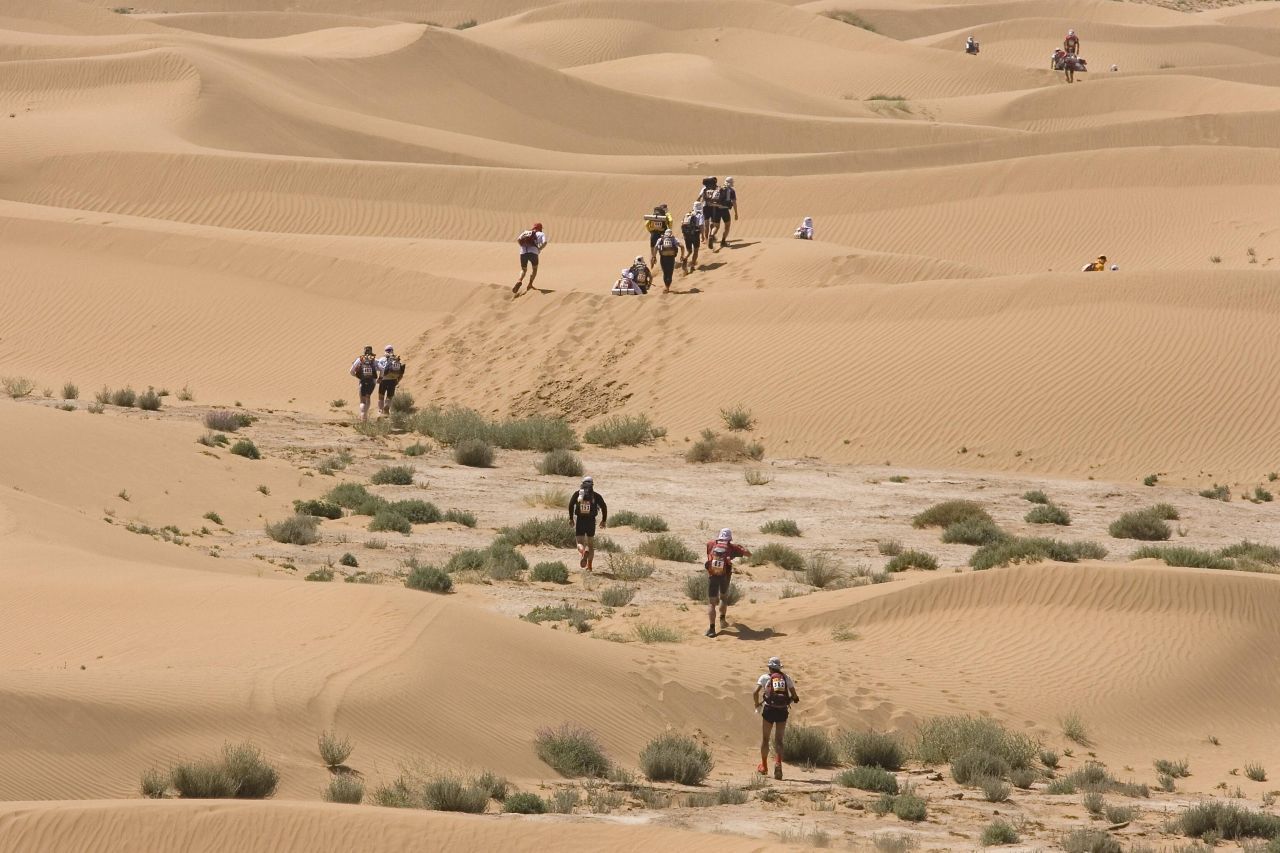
(720, 198)
(394, 368)
(668, 247)
(642, 274)
(368, 367)
(689, 227)
(719, 561)
(527, 240)
(776, 694)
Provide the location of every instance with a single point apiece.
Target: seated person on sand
(971, 46)
(805, 231)
(642, 274)
(1097, 265)
(626, 285)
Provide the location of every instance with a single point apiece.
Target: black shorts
(774, 715)
(366, 386)
(693, 241)
(387, 387)
(668, 263)
(584, 525)
(654, 237)
(718, 585)
(527, 258)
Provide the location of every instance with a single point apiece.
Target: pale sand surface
(236, 195)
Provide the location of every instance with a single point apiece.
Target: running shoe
(724, 623)
(711, 632)
(583, 562)
(516, 289)
(761, 769)
(777, 770)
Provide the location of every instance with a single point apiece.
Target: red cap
(537, 226)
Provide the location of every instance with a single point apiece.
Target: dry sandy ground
(233, 196)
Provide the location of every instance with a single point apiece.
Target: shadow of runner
(746, 632)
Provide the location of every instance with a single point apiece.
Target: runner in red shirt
(721, 552)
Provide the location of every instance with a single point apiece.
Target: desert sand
(226, 199)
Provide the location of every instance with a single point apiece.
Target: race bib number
(584, 507)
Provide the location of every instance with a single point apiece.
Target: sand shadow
(714, 265)
(690, 292)
(541, 290)
(746, 632)
(740, 244)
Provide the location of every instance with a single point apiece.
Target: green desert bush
(154, 785)
(393, 475)
(868, 779)
(737, 418)
(873, 749)
(1048, 514)
(246, 448)
(664, 546)
(466, 560)
(646, 523)
(780, 527)
(652, 632)
(345, 788)
(1219, 492)
(994, 790)
(70, 391)
(889, 547)
(317, 508)
(299, 530)
(1177, 768)
(416, 511)
(550, 572)
(912, 560)
(621, 431)
(628, 567)
(1049, 759)
(1252, 552)
(473, 453)
(712, 447)
(948, 513)
(1094, 803)
(1036, 497)
(618, 595)
(974, 765)
(450, 794)
(571, 751)
(560, 463)
(943, 739)
(225, 420)
(910, 806)
(563, 612)
(416, 449)
(1179, 555)
(1227, 821)
(427, 578)
(1090, 841)
(524, 802)
(809, 745)
(17, 387)
(461, 516)
(973, 531)
(334, 750)
(349, 560)
(1255, 772)
(149, 400)
(1034, 550)
(124, 397)
(999, 832)
(779, 555)
(255, 779)
(535, 432)
(555, 532)
(1074, 729)
(351, 496)
(387, 520)
(673, 757)
(503, 562)
(1141, 524)
(1023, 777)
(494, 785)
(202, 780)
(324, 574)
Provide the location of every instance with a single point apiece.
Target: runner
(710, 216)
(721, 553)
(691, 229)
(390, 372)
(532, 242)
(1071, 44)
(728, 204)
(1097, 265)
(365, 369)
(584, 505)
(656, 223)
(779, 691)
(668, 248)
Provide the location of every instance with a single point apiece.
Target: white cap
(726, 535)
(697, 205)
(586, 480)
(775, 663)
(729, 181)
(668, 233)
(1115, 267)
(388, 348)
(639, 259)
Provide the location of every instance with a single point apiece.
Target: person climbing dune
(774, 694)
(584, 505)
(531, 243)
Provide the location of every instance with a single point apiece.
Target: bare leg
(765, 725)
(589, 551)
(533, 273)
(779, 732)
(364, 407)
(711, 611)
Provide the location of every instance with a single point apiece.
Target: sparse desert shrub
(125, 397)
(393, 475)
(1049, 758)
(1178, 555)
(70, 391)
(555, 572)
(473, 453)
(738, 418)
(449, 794)
(948, 513)
(1090, 841)
(246, 448)
(873, 749)
(1048, 514)
(555, 532)
(912, 560)
(910, 806)
(318, 508)
(299, 530)
(647, 523)
(974, 765)
(729, 795)
(780, 555)
(672, 757)
(809, 745)
(466, 560)
(1093, 803)
(345, 788)
(851, 18)
(1035, 496)
(504, 563)
(627, 567)
(821, 571)
(1034, 550)
(1150, 479)
(1023, 777)
(224, 420)
(492, 784)
(994, 790)
(416, 511)
(149, 400)
(1074, 729)
(428, 578)
(213, 516)
(973, 531)
(942, 739)
(94, 408)
(1120, 814)
(1219, 492)
(667, 547)
(535, 432)
(618, 595)
(324, 574)
(352, 496)
(621, 431)
(416, 449)
(254, 778)
(652, 632)
(202, 780)
(563, 612)
(571, 751)
(756, 477)
(868, 779)
(1166, 511)
(387, 520)
(349, 560)
(781, 527)
(712, 447)
(1178, 769)
(889, 547)
(1252, 552)
(334, 750)
(460, 516)
(154, 784)
(999, 832)
(560, 463)
(1165, 782)
(17, 387)
(1255, 772)
(524, 802)
(1262, 496)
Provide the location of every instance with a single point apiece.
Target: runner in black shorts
(779, 691)
(366, 371)
(721, 553)
(691, 230)
(584, 505)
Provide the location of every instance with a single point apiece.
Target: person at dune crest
(691, 228)
(668, 249)
(584, 505)
(721, 552)
(390, 372)
(971, 46)
(710, 222)
(1096, 265)
(774, 693)
(805, 231)
(365, 370)
(656, 223)
(531, 243)
(727, 204)
(1071, 44)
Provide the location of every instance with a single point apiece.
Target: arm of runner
(572, 500)
(755, 697)
(604, 512)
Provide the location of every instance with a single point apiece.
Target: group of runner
(715, 207)
(382, 373)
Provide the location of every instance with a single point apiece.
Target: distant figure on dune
(584, 505)
(805, 231)
(390, 372)
(1071, 44)
(656, 223)
(774, 693)
(643, 276)
(709, 222)
(1060, 60)
(726, 201)
(668, 248)
(531, 243)
(721, 552)
(626, 284)
(971, 46)
(365, 370)
(1097, 265)
(691, 228)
